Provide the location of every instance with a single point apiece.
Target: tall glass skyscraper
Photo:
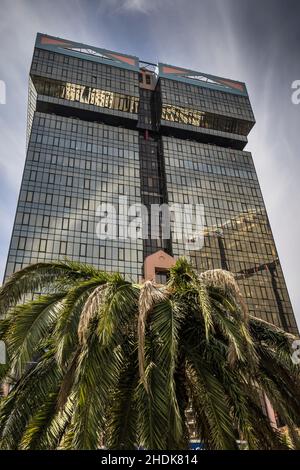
(103, 125)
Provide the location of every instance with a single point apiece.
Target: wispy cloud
(140, 6)
(132, 7)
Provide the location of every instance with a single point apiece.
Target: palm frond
(25, 398)
(30, 324)
(165, 323)
(225, 281)
(66, 329)
(149, 296)
(213, 406)
(38, 424)
(97, 360)
(39, 277)
(123, 414)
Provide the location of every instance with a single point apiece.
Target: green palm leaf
(96, 360)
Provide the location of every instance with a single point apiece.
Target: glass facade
(203, 119)
(86, 94)
(100, 127)
(237, 234)
(194, 96)
(71, 168)
(56, 65)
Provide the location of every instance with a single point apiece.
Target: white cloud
(140, 6)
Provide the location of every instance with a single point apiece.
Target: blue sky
(253, 41)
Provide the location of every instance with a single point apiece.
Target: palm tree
(97, 359)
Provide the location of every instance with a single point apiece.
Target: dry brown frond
(221, 279)
(90, 309)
